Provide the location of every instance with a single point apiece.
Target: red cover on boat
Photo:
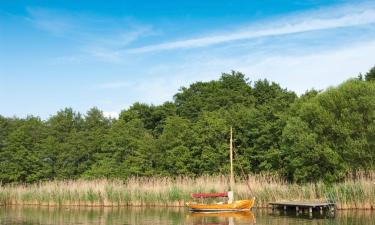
(209, 195)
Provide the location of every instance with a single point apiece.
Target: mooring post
(284, 207)
(310, 210)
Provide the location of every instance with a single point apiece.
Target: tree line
(320, 135)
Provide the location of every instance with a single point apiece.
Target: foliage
(331, 133)
(370, 75)
(320, 135)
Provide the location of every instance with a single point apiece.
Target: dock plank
(302, 204)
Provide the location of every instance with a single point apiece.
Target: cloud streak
(99, 38)
(115, 85)
(296, 72)
(339, 18)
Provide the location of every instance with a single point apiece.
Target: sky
(111, 54)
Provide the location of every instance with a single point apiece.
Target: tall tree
(370, 75)
(230, 89)
(65, 147)
(153, 117)
(20, 158)
(177, 153)
(338, 125)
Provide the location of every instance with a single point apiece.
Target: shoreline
(352, 193)
(55, 206)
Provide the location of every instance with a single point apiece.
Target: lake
(164, 216)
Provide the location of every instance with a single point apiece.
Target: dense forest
(320, 135)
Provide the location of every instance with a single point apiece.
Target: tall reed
(354, 193)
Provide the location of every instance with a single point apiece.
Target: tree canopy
(320, 135)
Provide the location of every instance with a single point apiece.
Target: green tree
(176, 149)
(266, 123)
(337, 125)
(95, 132)
(370, 75)
(129, 150)
(230, 89)
(65, 148)
(321, 135)
(153, 117)
(20, 159)
(307, 159)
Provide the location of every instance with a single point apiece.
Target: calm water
(163, 216)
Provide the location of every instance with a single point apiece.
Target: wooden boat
(240, 205)
(230, 206)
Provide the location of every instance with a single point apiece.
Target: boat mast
(231, 161)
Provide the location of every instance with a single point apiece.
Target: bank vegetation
(355, 192)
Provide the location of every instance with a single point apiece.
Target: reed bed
(354, 193)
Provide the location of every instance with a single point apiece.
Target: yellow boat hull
(240, 205)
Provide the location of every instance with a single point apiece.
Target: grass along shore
(353, 193)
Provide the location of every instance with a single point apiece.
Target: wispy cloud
(108, 55)
(111, 40)
(96, 37)
(50, 21)
(296, 72)
(114, 85)
(330, 18)
(154, 89)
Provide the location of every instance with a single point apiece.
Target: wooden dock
(300, 207)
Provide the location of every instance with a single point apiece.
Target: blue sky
(110, 54)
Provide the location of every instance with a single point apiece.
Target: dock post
(310, 209)
(284, 207)
(332, 208)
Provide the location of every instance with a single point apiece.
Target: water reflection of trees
(345, 217)
(163, 216)
(72, 215)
